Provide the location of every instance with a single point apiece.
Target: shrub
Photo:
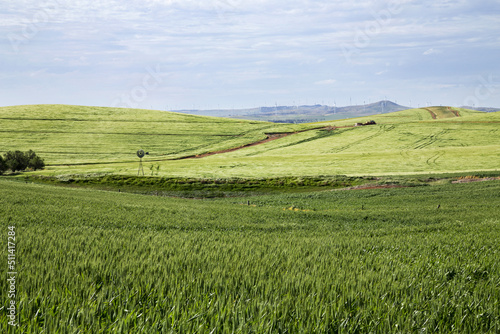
(16, 160)
(34, 161)
(3, 166)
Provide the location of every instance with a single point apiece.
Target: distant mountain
(486, 109)
(302, 114)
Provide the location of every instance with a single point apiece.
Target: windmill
(140, 154)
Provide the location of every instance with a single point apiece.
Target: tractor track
(269, 137)
(432, 161)
(427, 141)
(383, 129)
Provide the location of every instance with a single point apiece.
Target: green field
(331, 228)
(380, 261)
(77, 140)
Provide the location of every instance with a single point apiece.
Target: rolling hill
(77, 139)
(124, 253)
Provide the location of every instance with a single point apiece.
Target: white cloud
(326, 82)
(275, 45)
(431, 51)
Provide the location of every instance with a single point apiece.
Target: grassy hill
(379, 257)
(75, 134)
(76, 139)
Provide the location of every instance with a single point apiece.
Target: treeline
(19, 161)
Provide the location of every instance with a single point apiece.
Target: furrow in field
(383, 129)
(432, 161)
(270, 137)
(425, 142)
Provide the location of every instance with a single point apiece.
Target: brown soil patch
(455, 112)
(270, 137)
(482, 179)
(433, 115)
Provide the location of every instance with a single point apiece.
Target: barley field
(251, 227)
(78, 140)
(341, 261)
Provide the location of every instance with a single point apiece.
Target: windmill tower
(140, 154)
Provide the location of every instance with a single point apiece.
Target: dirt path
(476, 179)
(433, 115)
(455, 112)
(270, 137)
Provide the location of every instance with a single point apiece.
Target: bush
(3, 166)
(34, 161)
(18, 161)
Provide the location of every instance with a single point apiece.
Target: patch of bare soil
(479, 179)
(270, 137)
(433, 115)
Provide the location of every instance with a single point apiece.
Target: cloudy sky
(190, 54)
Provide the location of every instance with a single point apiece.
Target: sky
(211, 54)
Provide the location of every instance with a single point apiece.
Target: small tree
(3, 166)
(29, 155)
(16, 160)
(34, 161)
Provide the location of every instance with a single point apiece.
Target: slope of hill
(404, 142)
(76, 134)
(88, 139)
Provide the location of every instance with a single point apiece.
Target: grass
(81, 140)
(76, 135)
(201, 188)
(381, 260)
(272, 245)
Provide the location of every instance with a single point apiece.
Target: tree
(15, 160)
(34, 161)
(3, 166)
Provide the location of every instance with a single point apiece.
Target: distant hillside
(485, 109)
(86, 140)
(302, 114)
